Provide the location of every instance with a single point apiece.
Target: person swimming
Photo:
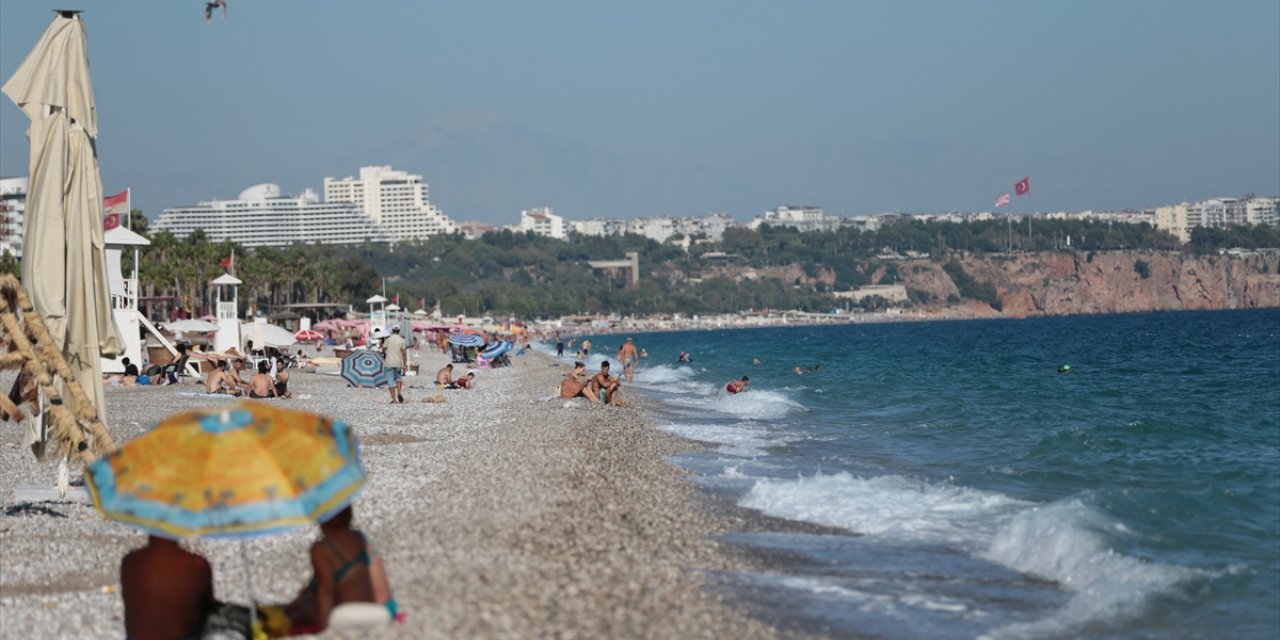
(1066, 368)
(737, 386)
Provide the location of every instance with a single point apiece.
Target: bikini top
(348, 565)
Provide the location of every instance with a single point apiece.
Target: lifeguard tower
(124, 296)
(377, 311)
(228, 292)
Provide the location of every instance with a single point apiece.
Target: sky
(681, 107)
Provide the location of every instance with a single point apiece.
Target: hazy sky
(627, 109)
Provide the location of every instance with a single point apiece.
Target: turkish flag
(110, 222)
(226, 262)
(1023, 187)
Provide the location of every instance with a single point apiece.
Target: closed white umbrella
(63, 257)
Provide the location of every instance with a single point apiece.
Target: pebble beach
(500, 513)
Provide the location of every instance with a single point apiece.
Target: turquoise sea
(974, 491)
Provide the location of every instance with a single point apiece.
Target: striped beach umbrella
(364, 368)
(307, 335)
(465, 340)
(246, 469)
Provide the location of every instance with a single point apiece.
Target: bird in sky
(210, 6)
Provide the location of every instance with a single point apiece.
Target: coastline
(498, 514)
(875, 318)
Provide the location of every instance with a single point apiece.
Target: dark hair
(746, 379)
(125, 361)
(578, 363)
(226, 365)
(263, 366)
(448, 366)
(604, 365)
(340, 519)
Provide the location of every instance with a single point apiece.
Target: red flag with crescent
(1023, 187)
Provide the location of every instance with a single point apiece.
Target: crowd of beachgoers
(501, 509)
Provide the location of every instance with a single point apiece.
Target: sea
(962, 487)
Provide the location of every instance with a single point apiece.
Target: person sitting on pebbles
(573, 385)
(346, 572)
(444, 378)
(604, 385)
(167, 591)
(219, 380)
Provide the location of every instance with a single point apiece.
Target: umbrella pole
(248, 582)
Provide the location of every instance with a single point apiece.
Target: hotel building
(261, 216)
(394, 200)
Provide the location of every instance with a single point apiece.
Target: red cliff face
(1111, 282)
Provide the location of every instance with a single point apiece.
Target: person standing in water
(629, 358)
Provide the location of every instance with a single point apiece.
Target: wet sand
(499, 514)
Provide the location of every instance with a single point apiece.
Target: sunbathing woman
(573, 385)
(347, 570)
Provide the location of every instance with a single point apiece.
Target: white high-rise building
(543, 221)
(262, 216)
(394, 200)
(13, 201)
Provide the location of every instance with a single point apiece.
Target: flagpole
(128, 208)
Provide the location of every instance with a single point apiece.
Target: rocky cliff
(1107, 282)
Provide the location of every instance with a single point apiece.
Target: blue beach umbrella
(465, 340)
(364, 368)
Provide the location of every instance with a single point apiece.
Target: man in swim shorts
(627, 354)
(737, 386)
(444, 378)
(605, 386)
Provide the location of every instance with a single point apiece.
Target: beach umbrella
(268, 335)
(63, 258)
(191, 326)
(245, 469)
(465, 340)
(364, 368)
(307, 335)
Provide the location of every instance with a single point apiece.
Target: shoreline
(862, 319)
(498, 514)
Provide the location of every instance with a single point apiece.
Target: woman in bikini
(573, 385)
(346, 570)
